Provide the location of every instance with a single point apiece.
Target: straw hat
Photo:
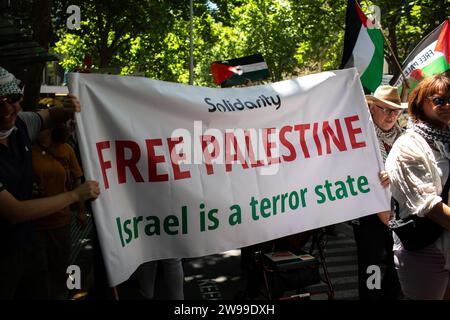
(387, 95)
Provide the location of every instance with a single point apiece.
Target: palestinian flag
(363, 47)
(431, 56)
(236, 71)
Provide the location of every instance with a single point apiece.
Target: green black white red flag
(363, 46)
(431, 56)
(236, 71)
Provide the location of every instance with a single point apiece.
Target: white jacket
(418, 174)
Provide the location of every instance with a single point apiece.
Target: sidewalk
(219, 277)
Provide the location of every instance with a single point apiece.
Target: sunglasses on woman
(440, 101)
(11, 98)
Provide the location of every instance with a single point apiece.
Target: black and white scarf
(386, 139)
(434, 136)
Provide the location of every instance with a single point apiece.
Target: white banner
(189, 171)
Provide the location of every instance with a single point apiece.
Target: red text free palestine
(289, 136)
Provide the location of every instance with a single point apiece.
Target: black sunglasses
(11, 98)
(440, 101)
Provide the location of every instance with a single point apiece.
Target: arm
(414, 177)
(81, 216)
(16, 211)
(384, 180)
(440, 214)
(384, 216)
(77, 173)
(59, 115)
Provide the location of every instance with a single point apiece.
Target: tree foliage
(295, 37)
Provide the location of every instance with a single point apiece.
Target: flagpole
(395, 58)
(191, 42)
(392, 52)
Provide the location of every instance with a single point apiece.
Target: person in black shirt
(22, 261)
(372, 236)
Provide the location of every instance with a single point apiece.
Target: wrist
(74, 197)
(60, 115)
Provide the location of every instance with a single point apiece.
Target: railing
(80, 236)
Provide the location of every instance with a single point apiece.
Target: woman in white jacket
(418, 167)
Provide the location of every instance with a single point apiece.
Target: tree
(294, 36)
(270, 30)
(33, 19)
(322, 26)
(110, 28)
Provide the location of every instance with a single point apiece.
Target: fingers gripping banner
(189, 171)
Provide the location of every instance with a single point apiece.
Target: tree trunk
(393, 68)
(106, 55)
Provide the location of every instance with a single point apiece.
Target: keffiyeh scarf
(439, 138)
(387, 138)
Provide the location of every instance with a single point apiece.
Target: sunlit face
(9, 108)
(384, 115)
(436, 108)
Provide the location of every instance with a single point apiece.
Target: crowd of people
(40, 179)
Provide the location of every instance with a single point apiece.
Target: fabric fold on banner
(189, 171)
(363, 47)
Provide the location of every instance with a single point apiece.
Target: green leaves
(295, 36)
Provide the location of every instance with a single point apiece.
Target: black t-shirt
(16, 178)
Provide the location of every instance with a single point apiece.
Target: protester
(22, 262)
(372, 236)
(418, 167)
(56, 170)
(173, 278)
